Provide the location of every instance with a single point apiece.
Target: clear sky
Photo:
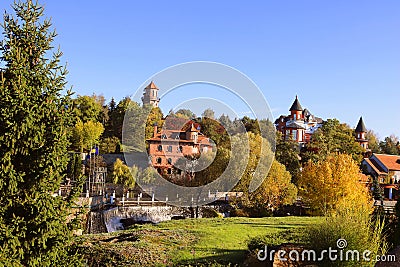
(342, 58)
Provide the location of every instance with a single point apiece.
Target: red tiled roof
(392, 162)
(151, 86)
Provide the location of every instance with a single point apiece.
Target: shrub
(357, 227)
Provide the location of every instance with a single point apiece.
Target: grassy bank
(184, 242)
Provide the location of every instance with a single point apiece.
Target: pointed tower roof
(296, 105)
(192, 128)
(151, 86)
(361, 126)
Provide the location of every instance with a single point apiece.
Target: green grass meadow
(189, 242)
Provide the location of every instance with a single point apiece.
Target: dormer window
(164, 136)
(177, 137)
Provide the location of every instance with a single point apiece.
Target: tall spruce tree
(34, 117)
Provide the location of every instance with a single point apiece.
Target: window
(159, 160)
(180, 148)
(169, 171)
(295, 135)
(294, 116)
(159, 148)
(164, 136)
(169, 161)
(169, 148)
(287, 135)
(159, 170)
(178, 171)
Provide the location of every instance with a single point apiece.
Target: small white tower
(150, 95)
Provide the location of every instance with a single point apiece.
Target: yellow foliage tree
(276, 190)
(85, 135)
(332, 185)
(122, 174)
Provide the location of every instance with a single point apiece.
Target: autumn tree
(185, 114)
(155, 116)
(276, 190)
(86, 135)
(122, 174)
(35, 118)
(333, 183)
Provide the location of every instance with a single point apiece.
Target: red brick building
(166, 147)
(300, 125)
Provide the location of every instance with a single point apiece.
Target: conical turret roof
(152, 85)
(361, 126)
(296, 105)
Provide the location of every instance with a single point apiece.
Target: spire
(361, 126)
(296, 105)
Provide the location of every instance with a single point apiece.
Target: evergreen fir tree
(34, 118)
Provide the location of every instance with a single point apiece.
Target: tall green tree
(373, 141)
(89, 108)
(287, 153)
(34, 119)
(390, 145)
(333, 137)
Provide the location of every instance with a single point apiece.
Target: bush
(210, 213)
(356, 227)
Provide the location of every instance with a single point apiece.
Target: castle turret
(192, 133)
(360, 131)
(296, 110)
(150, 95)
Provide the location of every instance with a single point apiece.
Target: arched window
(160, 148)
(169, 171)
(159, 160)
(169, 148)
(169, 161)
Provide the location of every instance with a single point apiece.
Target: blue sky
(341, 58)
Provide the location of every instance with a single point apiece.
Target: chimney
(155, 129)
